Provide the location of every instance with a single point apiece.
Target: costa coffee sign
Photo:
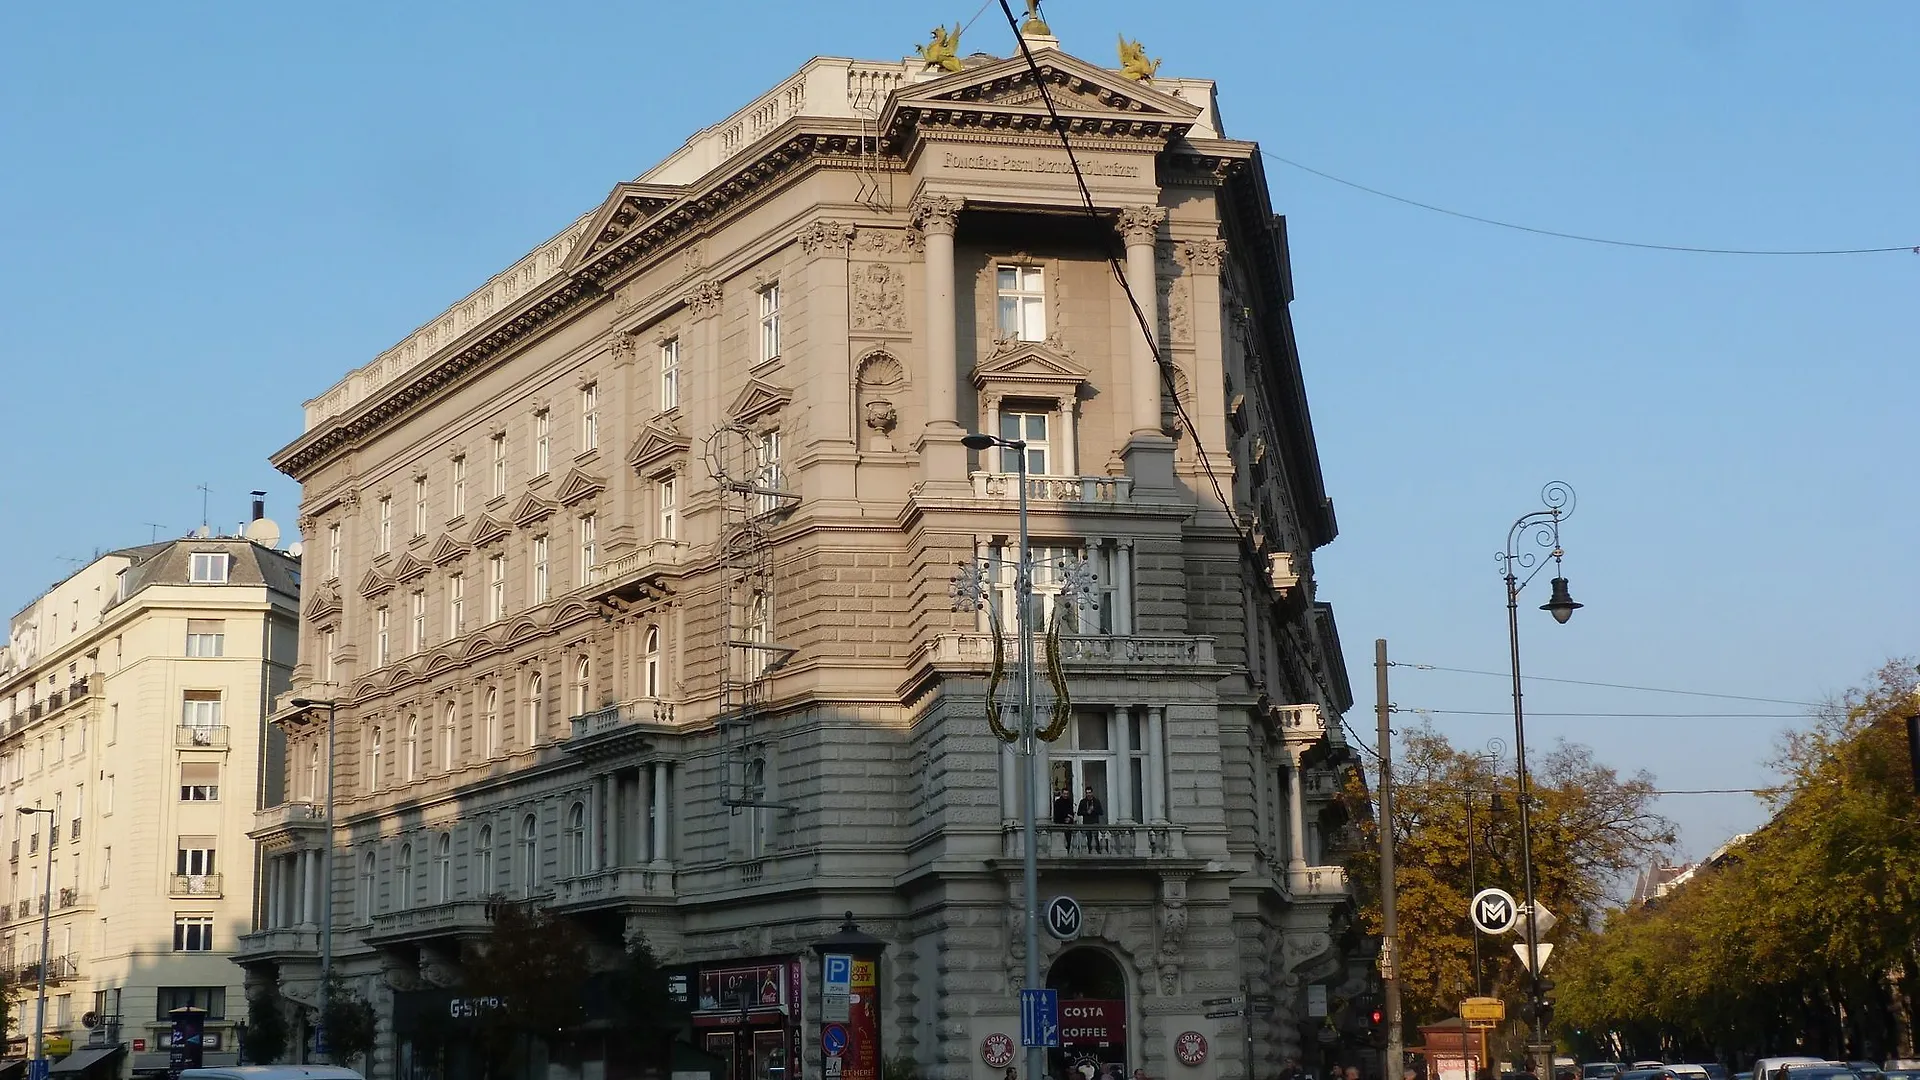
(1093, 1023)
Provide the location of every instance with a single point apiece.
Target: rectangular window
(106, 796)
(206, 637)
(417, 640)
(333, 551)
(419, 506)
(589, 417)
(1050, 564)
(589, 548)
(193, 856)
(1030, 426)
(382, 637)
(1023, 303)
(670, 374)
(208, 568)
(456, 605)
(459, 485)
(327, 640)
(386, 524)
(542, 442)
(769, 322)
(213, 999)
(201, 709)
(766, 460)
(499, 465)
(666, 496)
(542, 588)
(106, 866)
(193, 933)
(496, 588)
(199, 781)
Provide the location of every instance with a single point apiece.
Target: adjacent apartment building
(633, 576)
(135, 695)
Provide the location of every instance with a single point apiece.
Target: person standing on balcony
(1063, 813)
(1094, 814)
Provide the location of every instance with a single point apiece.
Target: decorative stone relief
(622, 348)
(826, 237)
(1141, 224)
(704, 299)
(879, 298)
(1203, 256)
(936, 213)
(885, 241)
(880, 382)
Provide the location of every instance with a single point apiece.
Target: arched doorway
(1093, 1016)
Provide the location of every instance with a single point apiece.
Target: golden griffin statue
(943, 50)
(1034, 24)
(1133, 61)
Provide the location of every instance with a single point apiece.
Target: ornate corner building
(630, 574)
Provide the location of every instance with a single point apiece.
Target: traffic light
(1377, 1026)
(1544, 1007)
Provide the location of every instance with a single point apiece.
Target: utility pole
(1389, 919)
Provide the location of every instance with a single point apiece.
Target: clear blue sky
(210, 212)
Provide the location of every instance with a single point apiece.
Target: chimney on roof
(259, 504)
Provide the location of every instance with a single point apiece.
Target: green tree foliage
(1589, 827)
(1806, 930)
(267, 1031)
(352, 1027)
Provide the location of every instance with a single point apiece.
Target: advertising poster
(1093, 1040)
(862, 1059)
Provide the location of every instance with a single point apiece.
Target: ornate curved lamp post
(1531, 532)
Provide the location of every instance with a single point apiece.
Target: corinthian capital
(825, 235)
(1204, 256)
(1140, 224)
(936, 213)
(704, 299)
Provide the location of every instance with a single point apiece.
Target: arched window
(650, 663)
(410, 750)
(577, 839)
(313, 770)
(535, 706)
(403, 897)
(583, 686)
(529, 854)
(450, 737)
(443, 869)
(483, 861)
(373, 759)
(369, 869)
(491, 718)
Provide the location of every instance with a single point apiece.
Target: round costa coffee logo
(997, 1050)
(1190, 1048)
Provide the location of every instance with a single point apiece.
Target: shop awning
(13, 1068)
(84, 1061)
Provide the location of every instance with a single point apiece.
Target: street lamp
(326, 877)
(46, 941)
(1542, 529)
(1023, 600)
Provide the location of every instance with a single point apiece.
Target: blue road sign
(320, 1039)
(833, 1039)
(39, 1069)
(1040, 1018)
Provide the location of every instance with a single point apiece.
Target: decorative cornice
(1203, 256)
(1141, 224)
(704, 299)
(826, 236)
(936, 214)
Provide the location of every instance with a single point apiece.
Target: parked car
(272, 1072)
(1899, 1072)
(1743, 1076)
(1601, 1070)
(1715, 1070)
(1644, 1074)
(1765, 1068)
(1825, 1070)
(1868, 1069)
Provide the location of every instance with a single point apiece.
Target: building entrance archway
(1093, 1015)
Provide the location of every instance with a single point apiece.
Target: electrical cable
(1687, 249)
(1607, 685)
(1619, 715)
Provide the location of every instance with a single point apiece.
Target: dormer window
(1023, 303)
(208, 568)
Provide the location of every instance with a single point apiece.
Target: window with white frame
(499, 447)
(1028, 423)
(403, 872)
(200, 709)
(670, 374)
(369, 880)
(459, 500)
(208, 568)
(417, 637)
(666, 499)
(758, 624)
(589, 547)
(1103, 612)
(542, 581)
(577, 839)
(443, 868)
(490, 722)
(542, 442)
(589, 417)
(206, 637)
(456, 605)
(449, 736)
(333, 551)
(767, 475)
(410, 751)
(536, 707)
(382, 636)
(329, 640)
(386, 524)
(583, 686)
(193, 933)
(483, 862)
(1082, 766)
(371, 765)
(313, 771)
(1022, 293)
(199, 781)
(496, 588)
(529, 854)
(194, 856)
(419, 506)
(770, 322)
(650, 663)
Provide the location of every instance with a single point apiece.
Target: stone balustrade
(1321, 881)
(1118, 649)
(1099, 490)
(1122, 840)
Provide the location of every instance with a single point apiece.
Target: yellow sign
(58, 1046)
(1483, 1008)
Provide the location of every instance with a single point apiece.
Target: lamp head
(977, 441)
(1561, 605)
(307, 702)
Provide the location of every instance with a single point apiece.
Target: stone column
(273, 894)
(1296, 818)
(825, 363)
(660, 813)
(1202, 259)
(597, 853)
(1149, 453)
(942, 459)
(1122, 794)
(1157, 762)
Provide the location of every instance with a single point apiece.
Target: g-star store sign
(1093, 1023)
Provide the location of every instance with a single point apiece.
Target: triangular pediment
(447, 550)
(487, 531)
(1028, 362)
(655, 445)
(758, 398)
(409, 568)
(324, 602)
(578, 485)
(629, 205)
(373, 583)
(1080, 91)
(531, 508)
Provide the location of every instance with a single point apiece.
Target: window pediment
(373, 583)
(1030, 369)
(655, 445)
(326, 602)
(757, 399)
(628, 205)
(578, 485)
(447, 550)
(487, 531)
(409, 568)
(530, 508)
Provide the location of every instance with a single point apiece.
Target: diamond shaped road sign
(1543, 920)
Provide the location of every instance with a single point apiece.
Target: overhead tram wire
(1621, 715)
(1558, 235)
(1608, 685)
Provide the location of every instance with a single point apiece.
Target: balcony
(1318, 881)
(617, 728)
(1123, 841)
(60, 969)
(1067, 490)
(190, 886)
(285, 942)
(288, 819)
(53, 835)
(1128, 653)
(1300, 723)
(638, 574)
(200, 736)
(1320, 784)
(611, 888)
(73, 832)
(69, 898)
(432, 921)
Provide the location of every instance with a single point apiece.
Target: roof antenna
(154, 536)
(204, 491)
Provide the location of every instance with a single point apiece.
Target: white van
(273, 1073)
(1766, 1067)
